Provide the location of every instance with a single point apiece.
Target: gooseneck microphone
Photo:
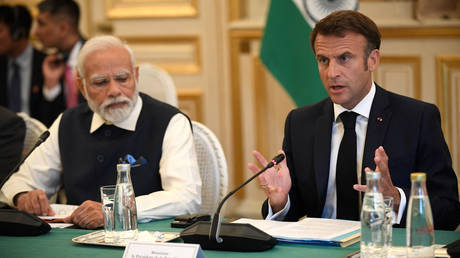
(235, 236)
(215, 226)
(40, 140)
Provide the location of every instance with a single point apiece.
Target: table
(58, 243)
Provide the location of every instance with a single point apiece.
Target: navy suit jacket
(12, 133)
(408, 129)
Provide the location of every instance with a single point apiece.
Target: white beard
(114, 115)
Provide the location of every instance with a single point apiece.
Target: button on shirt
(180, 178)
(363, 109)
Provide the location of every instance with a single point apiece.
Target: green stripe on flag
(287, 53)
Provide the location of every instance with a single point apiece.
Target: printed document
(306, 229)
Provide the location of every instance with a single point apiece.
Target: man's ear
(63, 27)
(373, 60)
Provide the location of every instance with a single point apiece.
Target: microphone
(40, 140)
(235, 236)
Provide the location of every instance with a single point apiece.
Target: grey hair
(100, 43)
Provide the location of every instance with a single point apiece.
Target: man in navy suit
(395, 135)
(18, 56)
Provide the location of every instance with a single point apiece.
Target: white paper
(306, 229)
(60, 211)
(60, 225)
(163, 250)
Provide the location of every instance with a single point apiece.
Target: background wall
(211, 47)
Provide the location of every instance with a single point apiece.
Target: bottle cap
(419, 176)
(372, 175)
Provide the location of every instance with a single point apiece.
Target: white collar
(127, 124)
(73, 55)
(363, 108)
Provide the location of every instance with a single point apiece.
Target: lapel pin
(379, 119)
(35, 89)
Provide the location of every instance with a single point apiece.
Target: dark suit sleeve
(12, 133)
(433, 157)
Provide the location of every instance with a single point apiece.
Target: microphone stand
(215, 226)
(230, 236)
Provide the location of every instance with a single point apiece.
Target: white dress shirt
(180, 178)
(363, 109)
(24, 61)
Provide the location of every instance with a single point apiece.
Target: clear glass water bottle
(419, 231)
(372, 218)
(125, 213)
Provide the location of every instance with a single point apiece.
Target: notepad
(310, 231)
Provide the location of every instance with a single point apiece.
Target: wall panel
(448, 101)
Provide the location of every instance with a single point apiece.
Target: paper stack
(310, 231)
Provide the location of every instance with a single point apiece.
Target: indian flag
(286, 49)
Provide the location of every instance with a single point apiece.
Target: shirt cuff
(402, 206)
(280, 214)
(51, 94)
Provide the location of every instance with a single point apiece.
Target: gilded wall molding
(420, 32)
(138, 9)
(260, 100)
(238, 39)
(386, 33)
(413, 62)
(191, 103)
(235, 10)
(448, 101)
(190, 47)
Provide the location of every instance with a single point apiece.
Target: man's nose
(333, 69)
(113, 89)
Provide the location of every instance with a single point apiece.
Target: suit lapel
(377, 126)
(322, 149)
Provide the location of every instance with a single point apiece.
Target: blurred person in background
(21, 78)
(57, 30)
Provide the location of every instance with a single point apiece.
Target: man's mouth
(116, 105)
(337, 87)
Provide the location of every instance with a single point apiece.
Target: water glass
(387, 226)
(107, 197)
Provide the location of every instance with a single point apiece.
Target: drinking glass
(107, 197)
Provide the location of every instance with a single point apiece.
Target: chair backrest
(157, 83)
(213, 167)
(34, 129)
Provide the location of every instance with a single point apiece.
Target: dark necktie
(345, 173)
(14, 92)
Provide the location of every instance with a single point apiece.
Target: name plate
(162, 250)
